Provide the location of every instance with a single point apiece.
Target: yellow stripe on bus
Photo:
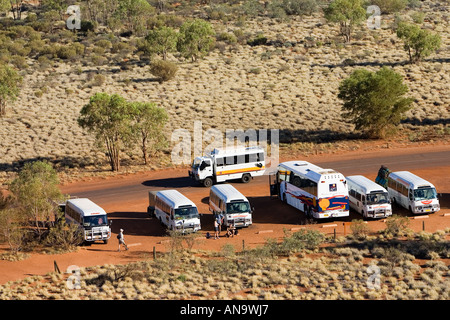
(220, 173)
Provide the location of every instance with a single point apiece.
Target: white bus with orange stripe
(412, 192)
(228, 164)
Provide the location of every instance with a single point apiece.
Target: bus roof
(174, 198)
(233, 151)
(410, 179)
(365, 184)
(228, 192)
(85, 207)
(304, 168)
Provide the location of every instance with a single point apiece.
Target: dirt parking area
(126, 203)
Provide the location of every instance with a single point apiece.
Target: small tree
(10, 81)
(34, 192)
(195, 38)
(374, 101)
(149, 122)
(418, 43)
(108, 117)
(347, 13)
(162, 41)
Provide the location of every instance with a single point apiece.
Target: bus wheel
(245, 178)
(207, 182)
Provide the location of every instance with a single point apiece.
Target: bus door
(274, 185)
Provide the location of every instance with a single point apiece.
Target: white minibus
(412, 192)
(318, 192)
(91, 218)
(176, 212)
(368, 198)
(225, 199)
(228, 164)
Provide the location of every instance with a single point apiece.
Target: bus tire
(246, 178)
(208, 182)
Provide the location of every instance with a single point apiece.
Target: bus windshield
(186, 213)
(425, 194)
(95, 221)
(197, 162)
(377, 198)
(238, 207)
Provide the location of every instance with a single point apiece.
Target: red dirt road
(124, 197)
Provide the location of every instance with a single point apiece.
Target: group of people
(218, 222)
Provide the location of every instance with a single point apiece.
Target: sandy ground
(271, 217)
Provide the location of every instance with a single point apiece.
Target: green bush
(66, 52)
(390, 6)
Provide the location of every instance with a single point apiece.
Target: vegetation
(374, 101)
(10, 82)
(347, 13)
(114, 121)
(107, 116)
(195, 39)
(30, 217)
(304, 272)
(418, 43)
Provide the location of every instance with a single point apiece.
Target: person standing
(121, 240)
(220, 218)
(216, 229)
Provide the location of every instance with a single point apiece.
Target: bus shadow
(136, 224)
(444, 200)
(170, 183)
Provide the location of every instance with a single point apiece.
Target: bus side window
(219, 161)
(260, 156)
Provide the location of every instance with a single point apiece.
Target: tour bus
(176, 212)
(225, 199)
(228, 164)
(412, 192)
(368, 198)
(318, 192)
(91, 218)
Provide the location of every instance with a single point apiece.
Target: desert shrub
(360, 229)
(19, 62)
(66, 52)
(257, 41)
(396, 225)
(301, 240)
(122, 47)
(390, 6)
(63, 236)
(164, 70)
(103, 43)
(98, 80)
(299, 7)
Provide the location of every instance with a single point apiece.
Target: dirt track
(125, 199)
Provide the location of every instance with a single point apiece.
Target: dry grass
(290, 88)
(336, 273)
